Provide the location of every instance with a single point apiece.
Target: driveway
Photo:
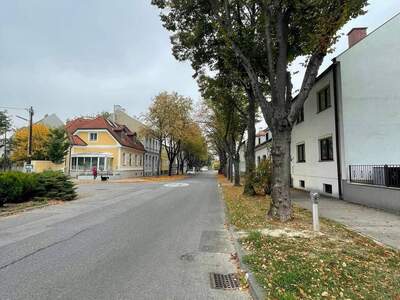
(120, 241)
(381, 226)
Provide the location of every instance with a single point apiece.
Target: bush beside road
(33, 189)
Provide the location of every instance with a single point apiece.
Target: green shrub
(11, 187)
(18, 187)
(55, 185)
(263, 176)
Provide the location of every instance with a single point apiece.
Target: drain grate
(224, 281)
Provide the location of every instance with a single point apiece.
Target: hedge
(19, 187)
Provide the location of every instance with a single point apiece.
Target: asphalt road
(120, 241)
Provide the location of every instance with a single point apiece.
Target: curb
(255, 289)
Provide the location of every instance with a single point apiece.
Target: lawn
(291, 262)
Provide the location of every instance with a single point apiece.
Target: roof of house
(262, 132)
(76, 140)
(120, 132)
(51, 121)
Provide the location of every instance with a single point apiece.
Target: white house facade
(313, 155)
(369, 93)
(263, 145)
(347, 139)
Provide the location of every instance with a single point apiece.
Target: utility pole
(30, 110)
(5, 165)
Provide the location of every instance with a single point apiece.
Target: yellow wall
(106, 144)
(44, 165)
(164, 160)
(103, 138)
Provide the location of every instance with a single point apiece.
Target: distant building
(263, 145)
(151, 145)
(51, 121)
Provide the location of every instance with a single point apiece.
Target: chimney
(356, 34)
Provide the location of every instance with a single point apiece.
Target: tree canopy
(258, 39)
(40, 139)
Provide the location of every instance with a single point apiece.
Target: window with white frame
(93, 136)
(123, 159)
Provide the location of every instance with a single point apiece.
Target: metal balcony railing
(381, 175)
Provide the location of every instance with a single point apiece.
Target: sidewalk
(381, 226)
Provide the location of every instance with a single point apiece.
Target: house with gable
(110, 147)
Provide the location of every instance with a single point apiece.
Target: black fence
(383, 175)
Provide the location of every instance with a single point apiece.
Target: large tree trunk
(281, 206)
(222, 163)
(229, 169)
(171, 162)
(236, 162)
(250, 155)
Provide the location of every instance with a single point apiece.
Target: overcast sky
(78, 57)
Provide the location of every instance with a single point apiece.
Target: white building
(349, 142)
(263, 145)
(150, 144)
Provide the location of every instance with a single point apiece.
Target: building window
(302, 183)
(130, 159)
(300, 116)
(324, 99)
(93, 136)
(301, 155)
(264, 157)
(267, 137)
(123, 158)
(326, 149)
(258, 159)
(259, 140)
(328, 188)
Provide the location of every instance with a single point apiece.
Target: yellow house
(109, 147)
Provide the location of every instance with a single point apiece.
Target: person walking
(94, 172)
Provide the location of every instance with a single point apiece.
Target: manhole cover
(176, 184)
(224, 281)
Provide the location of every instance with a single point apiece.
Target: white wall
(261, 151)
(370, 99)
(315, 126)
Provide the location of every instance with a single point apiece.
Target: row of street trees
(249, 45)
(170, 121)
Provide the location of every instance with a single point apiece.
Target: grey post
(314, 196)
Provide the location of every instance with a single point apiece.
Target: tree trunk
(281, 206)
(171, 162)
(222, 163)
(236, 162)
(250, 155)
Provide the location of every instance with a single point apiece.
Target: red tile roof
(76, 140)
(120, 132)
(262, 132)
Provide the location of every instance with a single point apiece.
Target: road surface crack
(41, 249)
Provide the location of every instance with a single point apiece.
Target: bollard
(314, 200)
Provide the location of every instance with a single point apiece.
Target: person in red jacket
(94, 172)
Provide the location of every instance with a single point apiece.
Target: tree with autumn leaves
(47, 144)
(265, 37)
(169, 120)
(40, 139)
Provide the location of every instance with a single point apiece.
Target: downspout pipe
(337, 129)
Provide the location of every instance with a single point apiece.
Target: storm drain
(224, 281)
